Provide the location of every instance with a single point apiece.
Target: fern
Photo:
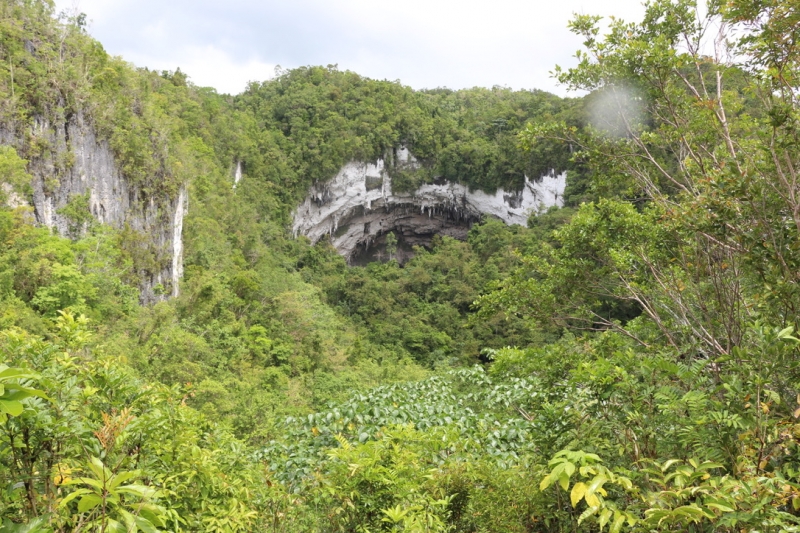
(343, 442)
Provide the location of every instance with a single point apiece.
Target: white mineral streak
(237, 175)
(177, 240)
(358, 205)
(48, 212)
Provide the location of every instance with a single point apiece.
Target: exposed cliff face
(78, 163)
(357, 207)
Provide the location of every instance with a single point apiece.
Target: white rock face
(112, 199)
(358, 205)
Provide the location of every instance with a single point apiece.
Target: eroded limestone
(358, 205)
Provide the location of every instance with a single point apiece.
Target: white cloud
(208, 66)
(423, 43)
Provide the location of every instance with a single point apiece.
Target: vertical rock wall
(78, 162)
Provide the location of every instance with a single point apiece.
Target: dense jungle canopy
(627, 362)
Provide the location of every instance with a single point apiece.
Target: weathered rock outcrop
(77, 163)
(357, 207)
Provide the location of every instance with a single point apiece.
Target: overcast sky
(423, 43)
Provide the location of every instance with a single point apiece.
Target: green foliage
(77, 213)
(378, 483)
(424, 308)
(110, 505)
(313, 120)
(640, 365)
(13, 391)
(591, 491)
(13, 174)
(59, 451)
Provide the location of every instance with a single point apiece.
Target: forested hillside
(626, 362)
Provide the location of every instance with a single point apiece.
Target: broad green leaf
(592, 500)
(128, 520)
(18, 392)
(17, 395)
(587, 513)
(619, 519)
(145, 525)
(11, 407)
(115, 527)
(395, 515)
(719, 505)
(17, 373)
(668, 464)
(120, 478)
(625, 482)
(152, 513)
(596, 483)
(72, 495)
(100, 471)
(89, 502)
(85, 481)
(577, 493)
(546, 482)
(773, 396)
(37, 525)
(23, 392)
(708, 465)
(692, 512)
(142, 491)
(605, 515)
(563, 480)
(657, 515)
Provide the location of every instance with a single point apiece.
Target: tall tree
(701, 136)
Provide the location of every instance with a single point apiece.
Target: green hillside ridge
(627, 362)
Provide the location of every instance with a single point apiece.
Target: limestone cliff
(78, 163)
(358, 207)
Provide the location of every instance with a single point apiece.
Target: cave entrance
(408, 233)
(377, 250)
(385, 234)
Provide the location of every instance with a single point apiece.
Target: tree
(711, 155)
(391, 244)
(15, 182)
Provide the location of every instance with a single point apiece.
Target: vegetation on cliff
(627, 362)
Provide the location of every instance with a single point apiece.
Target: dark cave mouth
(409, 232)
(377, 251)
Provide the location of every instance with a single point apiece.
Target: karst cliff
(358, 207)
(77, 163)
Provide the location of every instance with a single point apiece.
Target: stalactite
(343, 207)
